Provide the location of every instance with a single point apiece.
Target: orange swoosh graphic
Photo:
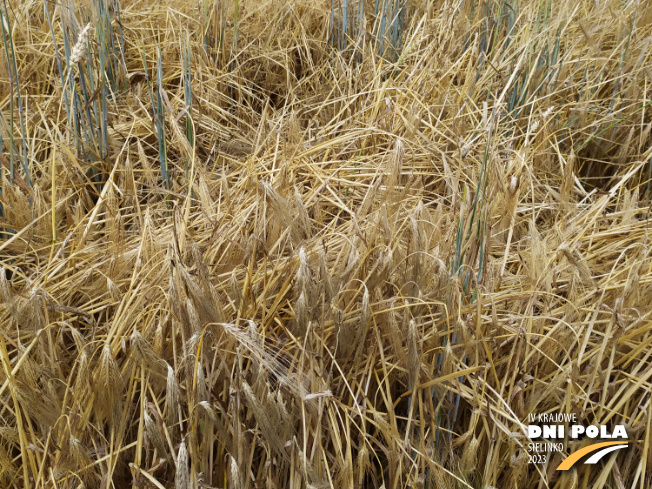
(570, 461)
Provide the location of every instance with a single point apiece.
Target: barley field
(323, 244)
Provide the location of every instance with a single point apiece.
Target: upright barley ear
(155, 437)
(235, 291)
(83, 375)
(274, 404)
(143, 352)
(519, 464)
(303, 272)
(149, 175)
(342, 334)
(363, 464)
(236, 479)
(301, 314)
(108, 386)
(365, 310)
(182, 477)
(396, 164)
(363, 327)
(281, 208)
(159, 340)
(265, 418)
(194, 323)
(568, 180)
(31, 312)
(172, 397)
(352, 261)
(572, 479)
(632, 289)
(413, 354)
(395, 334)
(113, 290)
(303, 288)
(79, 454)
(325, 277)
(579, 263)
(202, 385)
(303, 217)
(469, 462)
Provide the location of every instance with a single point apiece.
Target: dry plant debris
(238, 251)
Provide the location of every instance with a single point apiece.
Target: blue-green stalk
(7, 38)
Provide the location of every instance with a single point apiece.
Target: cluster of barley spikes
(322, 243)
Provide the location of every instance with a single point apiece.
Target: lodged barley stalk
(322, 244)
